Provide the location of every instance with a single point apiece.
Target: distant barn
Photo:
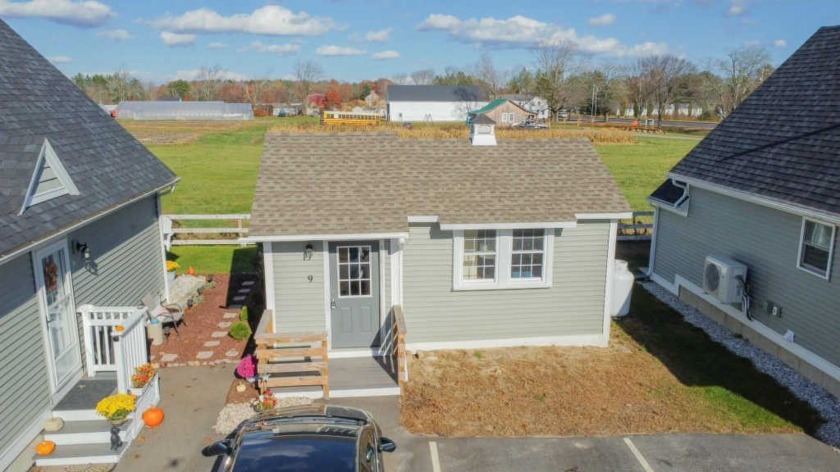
(433, 103)
(166, 110)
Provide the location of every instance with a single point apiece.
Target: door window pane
(354, 271)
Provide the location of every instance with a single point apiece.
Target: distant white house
(433, 103)
(534, 104)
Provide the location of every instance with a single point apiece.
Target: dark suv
(311, 438)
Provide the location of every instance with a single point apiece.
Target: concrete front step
(85, 432)
(77, 415)
(67, 455)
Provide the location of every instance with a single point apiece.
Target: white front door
(52, 275)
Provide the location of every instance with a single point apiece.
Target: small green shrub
(240, 331)
(243, 314)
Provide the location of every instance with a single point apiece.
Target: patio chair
(169, 313)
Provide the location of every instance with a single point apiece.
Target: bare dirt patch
(655, 377)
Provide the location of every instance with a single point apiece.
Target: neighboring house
(503, 112)
(536, 105)
(433, 103)
(79, 208)
(355, 225)
(761, 190)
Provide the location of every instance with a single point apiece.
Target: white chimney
(483, 131)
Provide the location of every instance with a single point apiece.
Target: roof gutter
(321, 237)
(768, 202)
(21, 250)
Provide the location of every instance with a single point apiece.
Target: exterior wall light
(307, 252)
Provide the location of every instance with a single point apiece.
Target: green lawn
(640, 168)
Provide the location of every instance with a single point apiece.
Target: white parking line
(638, 455)
(435, 459)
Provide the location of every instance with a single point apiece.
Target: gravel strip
(235, 413)
(822, 401)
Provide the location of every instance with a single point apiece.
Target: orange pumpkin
(191, 271)
(153, 417)
(45, 448)
(119, 328)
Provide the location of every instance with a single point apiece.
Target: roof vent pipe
(483, 131)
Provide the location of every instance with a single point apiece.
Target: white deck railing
(115, 341)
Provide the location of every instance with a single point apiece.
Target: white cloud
(338, 51)
(217, 45)
(780, 43)
(115, 34)
(389, 54)
(268, 20)
(175, 39)
(379, 36)
(523, 32)
(77, 13)
(60, 59)
(196, 74)
(603, 20)
(273, 48)
(737, 8)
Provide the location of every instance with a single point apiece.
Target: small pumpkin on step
(45, 448)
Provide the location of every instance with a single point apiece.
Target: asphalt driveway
(193, 396)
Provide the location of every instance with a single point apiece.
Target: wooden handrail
(399, 332)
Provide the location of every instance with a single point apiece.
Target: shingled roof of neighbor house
(363, 183)
(783, 142)
(105, 163)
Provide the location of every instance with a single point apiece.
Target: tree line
(646, 86)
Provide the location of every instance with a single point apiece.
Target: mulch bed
(247, 396)
(202, 320)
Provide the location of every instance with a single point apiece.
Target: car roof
(282, 449)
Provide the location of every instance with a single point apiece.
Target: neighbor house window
(816, 247)
(502, 259)
(507, 117)
(479, 255)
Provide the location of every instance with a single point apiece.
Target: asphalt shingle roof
(349, 183)
(783, 142)
(436, 93)
(105, 162)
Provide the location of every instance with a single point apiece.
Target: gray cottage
(460, 244)
(79, 208)
(746, 224)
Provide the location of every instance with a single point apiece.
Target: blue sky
(160, 40)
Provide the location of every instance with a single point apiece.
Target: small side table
(154, 330)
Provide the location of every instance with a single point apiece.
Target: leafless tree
(122, 86)
(400, 79)
(554, 64)
(739, 74)
(423, 77)
(208, 81)
(492, 80)
(306, 72)
(661, 73)
(253, 90)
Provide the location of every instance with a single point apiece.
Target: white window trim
(504, 252)
(812, 270)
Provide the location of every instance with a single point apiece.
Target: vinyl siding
(767, 241)
(23, 365)
(126, 257)
(298, 303)
(574, 305)
(438, 111)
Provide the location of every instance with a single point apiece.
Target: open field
(658, 375)
(218, 164)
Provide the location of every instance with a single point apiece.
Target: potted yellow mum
(116, 408)
(171, 267)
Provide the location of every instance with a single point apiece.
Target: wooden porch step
(296, 338)
(291, 367)
(277, 382)
(287, 353)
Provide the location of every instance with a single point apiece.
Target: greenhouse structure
(162, 110)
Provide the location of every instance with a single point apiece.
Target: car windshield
(262, 451)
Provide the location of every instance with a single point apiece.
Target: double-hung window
(502, 259)
(816, 248)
